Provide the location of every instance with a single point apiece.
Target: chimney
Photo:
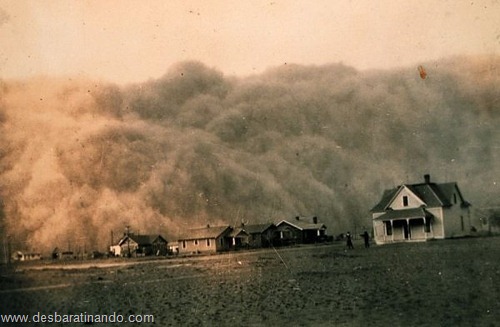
(297, 218)
(208, 225)
(315, 220)
(427, 178)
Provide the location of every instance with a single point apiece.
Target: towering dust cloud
(80, 159)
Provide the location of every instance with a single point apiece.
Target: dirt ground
(438, 283)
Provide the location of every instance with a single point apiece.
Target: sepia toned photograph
(249, 163)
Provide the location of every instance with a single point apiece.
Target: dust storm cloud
(80, 158)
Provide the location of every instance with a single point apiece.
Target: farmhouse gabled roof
(432, 194)
(428, 194)
(206, 232)
(387, 197)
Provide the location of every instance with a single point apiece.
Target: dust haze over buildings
(81, 158)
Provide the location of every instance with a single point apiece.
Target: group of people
(365, 236)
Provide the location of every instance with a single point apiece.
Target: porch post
(425, 228)
(408, 226)
(392, 231)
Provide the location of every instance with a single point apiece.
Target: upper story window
(405, 201)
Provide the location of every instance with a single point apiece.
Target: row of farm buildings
(213, 239)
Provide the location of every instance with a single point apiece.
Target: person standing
(366, 237)
(349, 241)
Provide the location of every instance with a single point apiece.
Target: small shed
(26, 256)
(115, 250)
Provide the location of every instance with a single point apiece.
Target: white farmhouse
(419, 212)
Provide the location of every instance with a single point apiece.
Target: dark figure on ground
(349, 241)
(366, 237)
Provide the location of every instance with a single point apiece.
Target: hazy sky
(131, 41)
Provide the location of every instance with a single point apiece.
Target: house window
(183, 244)
(455, 198)
(388, 228)
(195, 242)
(405, 201)
(208, 242)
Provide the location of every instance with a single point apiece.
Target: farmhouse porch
(404, 225)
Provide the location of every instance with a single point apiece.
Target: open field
(439, 283)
